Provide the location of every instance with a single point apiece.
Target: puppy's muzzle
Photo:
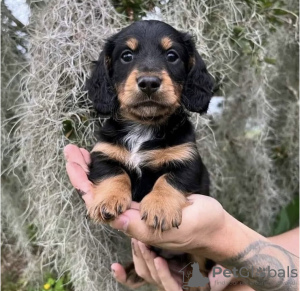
(148, 84)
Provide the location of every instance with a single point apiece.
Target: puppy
(147, 78)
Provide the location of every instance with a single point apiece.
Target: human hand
(161, 273)
(206, 229)
(153, 269)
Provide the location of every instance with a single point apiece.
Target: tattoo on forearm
(266, 266)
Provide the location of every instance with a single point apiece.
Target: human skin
(156, 270)
(206, 229)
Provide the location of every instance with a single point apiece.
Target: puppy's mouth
(149, 103)
(149, 111)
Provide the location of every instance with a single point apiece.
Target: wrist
(230, 240)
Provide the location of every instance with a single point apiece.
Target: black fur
(100, 88)
(197, 82)
(189, 77)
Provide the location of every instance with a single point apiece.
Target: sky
(19, 9)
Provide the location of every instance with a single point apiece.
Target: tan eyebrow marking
(166, 43)
(132, 43)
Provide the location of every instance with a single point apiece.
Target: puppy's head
(148, 70)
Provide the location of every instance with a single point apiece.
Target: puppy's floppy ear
(99, 86)
(198, 87)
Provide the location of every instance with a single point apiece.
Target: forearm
(254, 258)
(288, 240)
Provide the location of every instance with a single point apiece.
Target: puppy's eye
(127, 57)
(172, 56)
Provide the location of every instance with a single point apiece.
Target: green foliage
(10, 282)
(133, 9)
(240, 42)
(275, 14)
(61, 284)
(13, 281)
(288, 218)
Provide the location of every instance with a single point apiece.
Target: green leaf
(278, 11)
(238, 31)
(270, 61)
(59, 285)
(51, 281)
(288, 217)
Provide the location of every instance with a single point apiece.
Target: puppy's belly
(142, 182)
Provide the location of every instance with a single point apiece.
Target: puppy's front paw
(111, 198)
(162, 211)
(109, 206)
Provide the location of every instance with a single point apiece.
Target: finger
(168, 282)
(140, 263)
(73, 154)
(80, 182)
(218, 281)
(86, 155)
(149, 257)
(130, 222)
(120, 275)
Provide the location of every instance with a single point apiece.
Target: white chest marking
(134, 139)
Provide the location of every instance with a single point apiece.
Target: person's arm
(206, 229)
(288, 240)
(224, 240)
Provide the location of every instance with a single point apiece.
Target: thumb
(131, 223)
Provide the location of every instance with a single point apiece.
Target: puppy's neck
(134, 134)
(137, 135)
(179, 116)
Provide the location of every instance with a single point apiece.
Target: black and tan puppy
(147, 78)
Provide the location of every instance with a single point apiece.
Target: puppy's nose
(149, 84)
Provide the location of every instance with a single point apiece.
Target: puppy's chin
(148, 114)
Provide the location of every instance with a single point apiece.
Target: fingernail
(142, 247)
(66, 156)
(156, 264)
(133, 247)
(113, 272)
(124, 222)
(121, 223)
(80, 193)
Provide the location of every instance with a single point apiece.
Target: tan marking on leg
(112, 196)
(113, 151)
(180, 153)
(166, 43)
(132, 43)
(162, 207)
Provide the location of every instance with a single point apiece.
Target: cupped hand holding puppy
(204, 216)
(201, 220)
(206, 230)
